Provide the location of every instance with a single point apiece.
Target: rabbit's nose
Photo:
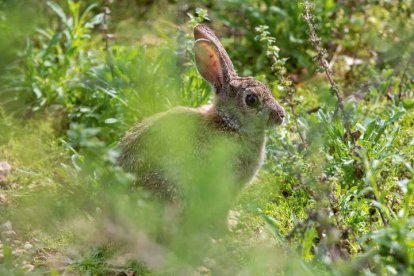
(276, 116)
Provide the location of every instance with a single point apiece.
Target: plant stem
(321, 53)
(403, 77)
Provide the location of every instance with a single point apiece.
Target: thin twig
(334, 205)
(383, 218)
(105, 30)
(321, 58)
(403, 76)
(280, 72)
(292, 105)
(106, 35)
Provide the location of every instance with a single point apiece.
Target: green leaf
(369, 130)
(58, 10)
(7, 255)
(111, 121)
(307, 244)
(384, 126)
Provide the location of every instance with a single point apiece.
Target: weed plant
(334, 197)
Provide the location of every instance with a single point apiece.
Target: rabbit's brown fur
(160, 149)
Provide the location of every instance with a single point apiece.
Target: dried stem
(334, 205)
(383, 218)
(321, 58)
(280, 72)
(292, 105)
(105, 33)
(404, 76)
(105, 30)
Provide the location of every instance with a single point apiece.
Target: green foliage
(93, 263)
(327, 201)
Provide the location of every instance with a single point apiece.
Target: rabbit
(242, 110)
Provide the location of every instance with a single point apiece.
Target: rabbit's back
(149, 149)
(169, 148)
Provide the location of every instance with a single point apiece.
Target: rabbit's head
(244, 103)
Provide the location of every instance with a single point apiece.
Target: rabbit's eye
(252, 100)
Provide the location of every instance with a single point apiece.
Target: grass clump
(334, 197)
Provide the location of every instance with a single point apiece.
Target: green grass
(329, 204)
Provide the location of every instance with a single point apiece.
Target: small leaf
(58, 10)
(403, 185)
(307, 244)
(111, 121)
(7, 255)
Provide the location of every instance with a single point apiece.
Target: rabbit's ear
(208, 61)
(204, 32)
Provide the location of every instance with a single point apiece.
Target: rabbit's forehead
(252, 86)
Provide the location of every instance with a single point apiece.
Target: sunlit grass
(313, 209)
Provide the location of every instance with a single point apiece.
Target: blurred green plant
(323, 204)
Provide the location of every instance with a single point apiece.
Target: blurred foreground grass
(327, 204)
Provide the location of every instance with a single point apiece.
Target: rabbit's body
(149, 148)
(171, 147)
